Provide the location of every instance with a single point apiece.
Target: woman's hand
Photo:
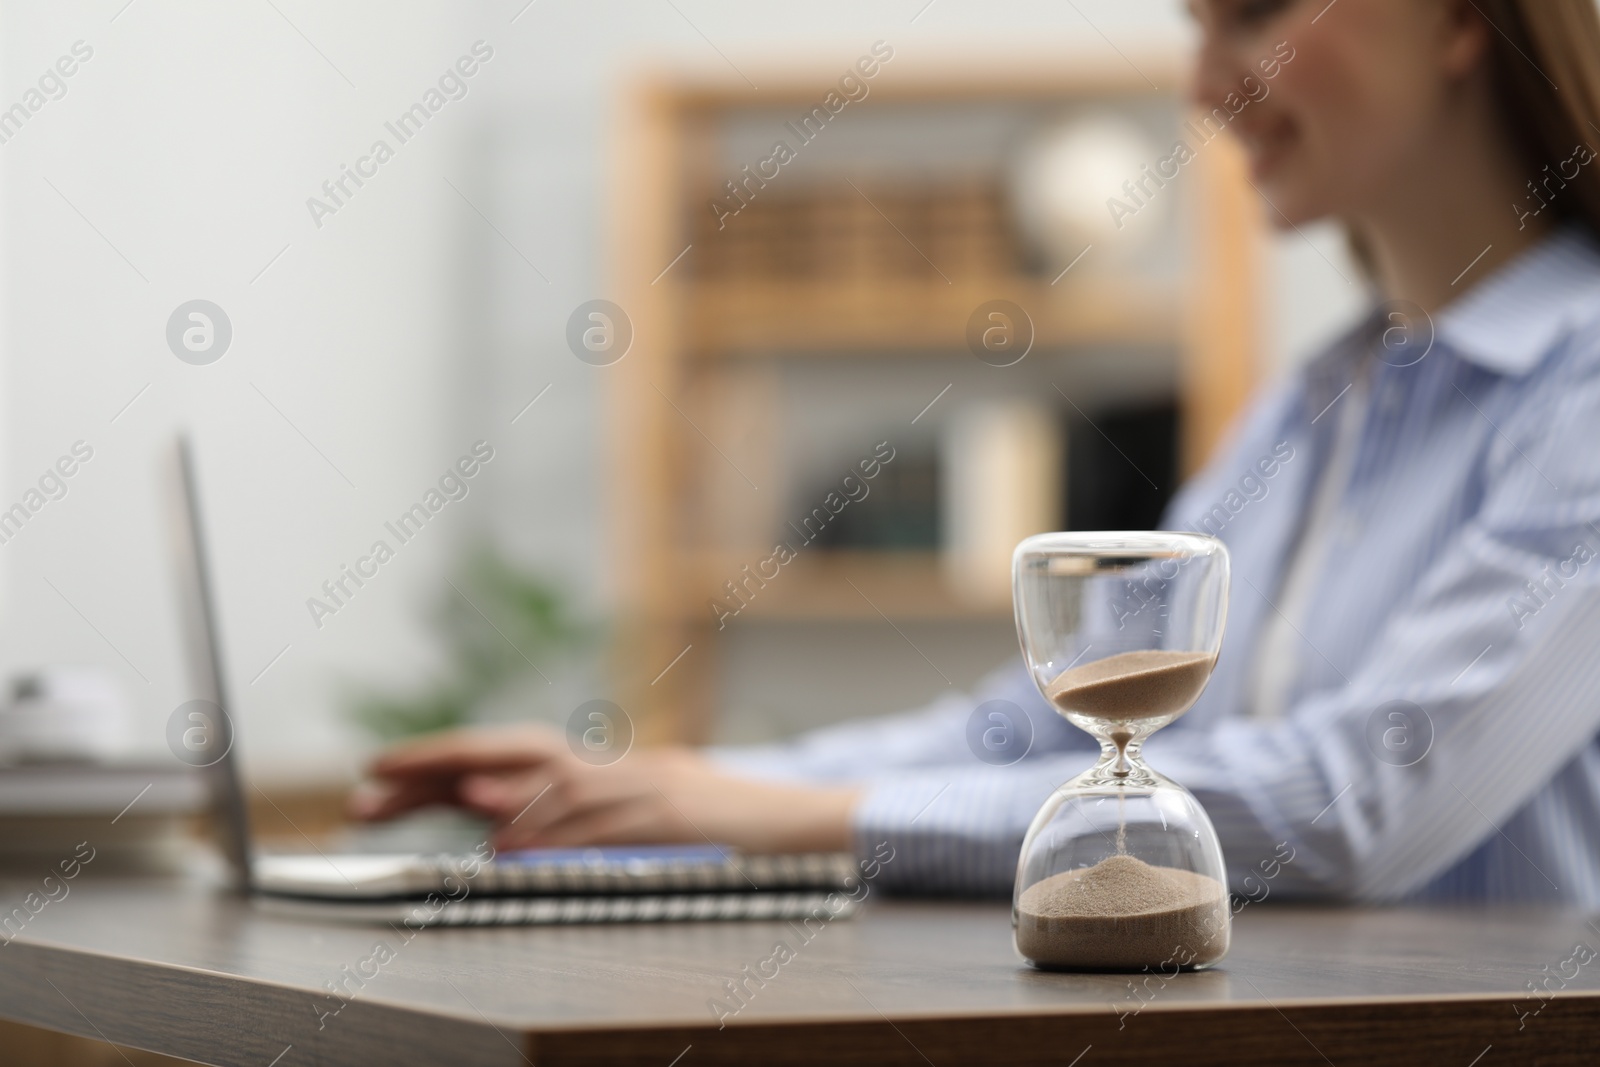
(528, 782)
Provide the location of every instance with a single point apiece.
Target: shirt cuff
(952, 831)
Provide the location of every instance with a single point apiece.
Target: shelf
(845, 586)
(889, 265)
(733, 318)
(958, 77)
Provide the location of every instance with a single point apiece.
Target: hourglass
(1121, 869)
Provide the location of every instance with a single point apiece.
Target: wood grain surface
(176, 967)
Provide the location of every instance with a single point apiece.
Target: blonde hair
(1545, 62)
(1546, 68)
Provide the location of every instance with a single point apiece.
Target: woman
(1409, 695)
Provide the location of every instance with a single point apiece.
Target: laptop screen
(208, 738)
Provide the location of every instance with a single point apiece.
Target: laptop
(478, 886)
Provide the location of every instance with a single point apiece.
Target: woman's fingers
(374, 801)
(633, 821)
(507, 796)
(538, 794)
(561, 789)
(463, 751)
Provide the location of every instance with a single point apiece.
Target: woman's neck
(1456, 211)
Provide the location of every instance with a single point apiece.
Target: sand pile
(1123, 913)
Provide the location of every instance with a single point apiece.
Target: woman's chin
(1290, 201)
(1267, 167)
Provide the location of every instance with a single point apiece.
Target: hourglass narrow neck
(1120, 747)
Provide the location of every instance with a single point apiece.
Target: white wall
(190, 141)
(402, 330)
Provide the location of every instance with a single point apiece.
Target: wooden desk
(176, 968)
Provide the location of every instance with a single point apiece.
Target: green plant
(499, 625)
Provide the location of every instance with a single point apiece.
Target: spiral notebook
(641, 884)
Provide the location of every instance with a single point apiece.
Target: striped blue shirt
(1438, 737)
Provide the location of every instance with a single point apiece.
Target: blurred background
(772, 320)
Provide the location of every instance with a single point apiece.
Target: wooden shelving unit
(814, 272)
(756, 318)
(849, 585)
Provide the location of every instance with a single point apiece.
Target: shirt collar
(1509, 321)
